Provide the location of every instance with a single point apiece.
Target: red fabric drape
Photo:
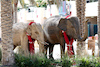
(69, 44)
(31, 42)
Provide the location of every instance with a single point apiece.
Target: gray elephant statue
(20, 37)
(53, 27)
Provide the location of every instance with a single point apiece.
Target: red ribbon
(68, 15)
(31, 23)
(69, 44)
(31, 42)
(65, 37)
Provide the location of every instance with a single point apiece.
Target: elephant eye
(36, 32)
(72, 26)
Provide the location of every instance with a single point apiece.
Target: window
(88, 1)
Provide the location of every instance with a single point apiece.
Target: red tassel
(70, 50)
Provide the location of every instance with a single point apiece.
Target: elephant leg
(62, 50)
(24, 45)
(45, 48)
(51, 51)
(62, 46)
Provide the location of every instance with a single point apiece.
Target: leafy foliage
(41, 61)
(41, 3)
(88, 62)
(32, 61)
(66, 63)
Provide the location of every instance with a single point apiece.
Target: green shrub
(34, 61)
(66, 63)
(41, 61)
(88, 62)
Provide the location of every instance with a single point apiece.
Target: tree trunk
(15, 11)
(6, 27)
(98, 22)
(80, 7)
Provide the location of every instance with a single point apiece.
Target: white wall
(91, 9)
(24, 16)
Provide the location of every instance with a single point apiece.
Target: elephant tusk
(46, 43)
(28, 34)
(43, 42)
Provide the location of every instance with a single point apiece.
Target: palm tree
(80, 7)
(32, 2)
(6, 27)
(98, 22)
(15, 4)
(14, 10)
(57, 2)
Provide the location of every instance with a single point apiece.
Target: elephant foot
(51, 57)
(26, 53)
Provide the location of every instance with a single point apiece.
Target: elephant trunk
(79, 38)
(41, 43)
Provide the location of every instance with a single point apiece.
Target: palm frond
(22, 3)
(14, 1)
(32, 2)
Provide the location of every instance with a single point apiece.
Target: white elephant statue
(20, 37)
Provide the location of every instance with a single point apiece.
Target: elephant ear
(30, 27)
(62, 24)
(74, 21)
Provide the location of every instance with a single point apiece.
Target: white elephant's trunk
(41, 42)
